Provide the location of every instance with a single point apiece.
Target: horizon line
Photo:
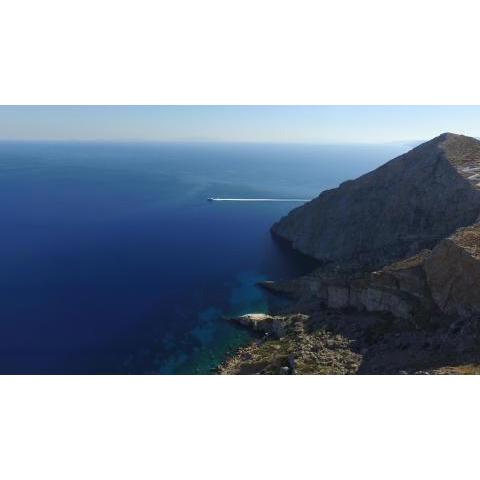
(259, 142)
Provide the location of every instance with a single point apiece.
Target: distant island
(398, 286)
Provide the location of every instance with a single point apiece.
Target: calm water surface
(112, 260)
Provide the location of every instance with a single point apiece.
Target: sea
(113, 261)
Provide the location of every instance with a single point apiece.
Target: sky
(291, 124)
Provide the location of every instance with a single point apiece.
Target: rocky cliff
(442, 281)
(398, 288)
(402, 207)
(418, 315)
(452, 273)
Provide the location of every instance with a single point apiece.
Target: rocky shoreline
(362, 314)
(324, 340)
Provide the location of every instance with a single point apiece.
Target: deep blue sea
(113, 261)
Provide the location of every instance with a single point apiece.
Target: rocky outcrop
(361, 313)
(271, 324)
(393, 212)
(296, 349)
(335, 342)
(261, 322)
(418, 315)
(453, 273)
(400, 289)
(444, 280)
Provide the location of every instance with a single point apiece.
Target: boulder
(262, 322)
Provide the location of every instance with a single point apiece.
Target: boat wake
(215, 199)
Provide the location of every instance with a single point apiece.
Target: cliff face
(443, 282)
(419, 314)
(402, 207)
(453, 273)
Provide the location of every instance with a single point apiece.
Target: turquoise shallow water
(113, 261)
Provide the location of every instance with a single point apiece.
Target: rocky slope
(443, 281)
(406, 205)
(419, 314)
(332, 341)
(452, 273)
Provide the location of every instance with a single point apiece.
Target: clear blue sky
(321, 124)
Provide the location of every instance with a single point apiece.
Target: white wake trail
(214, 199)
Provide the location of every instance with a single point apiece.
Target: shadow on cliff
(297, 262)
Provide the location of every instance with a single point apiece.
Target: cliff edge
(402, 207)
(398, 288)
(418, 315)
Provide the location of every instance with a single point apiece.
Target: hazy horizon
(193, 142)
(236, 124)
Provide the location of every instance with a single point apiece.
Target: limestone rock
(444, 280)
(271, 324)
(393, 212)
(422, 208)
(453, 273)
(400, 288)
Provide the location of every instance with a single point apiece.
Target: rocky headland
(398, 287)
